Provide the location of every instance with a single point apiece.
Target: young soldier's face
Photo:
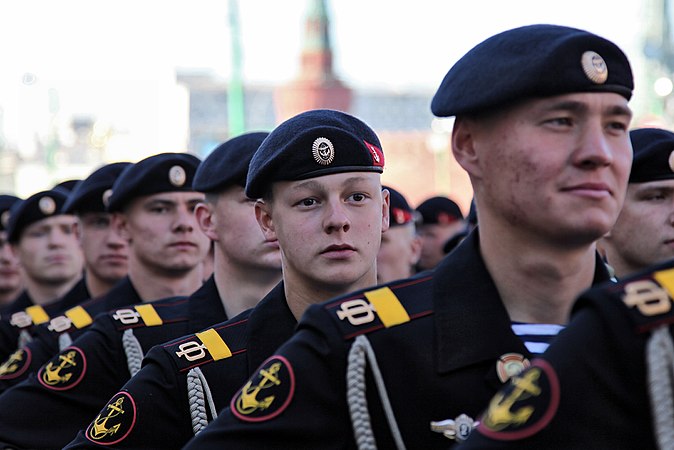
(399, 252)
(329, 228)
(105, 251)
(163, 231)
(237, 234)
(49, 251)
(555, 167)
(644, 232)
(10, 277)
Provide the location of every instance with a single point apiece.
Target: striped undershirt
(536, 336)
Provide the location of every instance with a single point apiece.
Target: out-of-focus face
(433, 239)
(238, 235)
(105, 250)
(644, 232)
(555, 168)
(10, 275)
(163, 231)
(329, 228)
(399, 252)
(49, 252)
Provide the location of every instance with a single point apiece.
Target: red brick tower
(316, 86)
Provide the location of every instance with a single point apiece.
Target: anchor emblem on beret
(323, 151)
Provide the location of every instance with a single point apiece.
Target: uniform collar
(205, 306)
(270, 324)
(471, 323)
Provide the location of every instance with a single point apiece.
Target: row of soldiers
(294, 342)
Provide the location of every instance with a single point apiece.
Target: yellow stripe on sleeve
(37, 314)
(388, 307)
(79, 316)
(149, 315)
(214, 343)
(666, 279)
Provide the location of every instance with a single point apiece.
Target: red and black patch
(115, 421)
(377, 154)
(64, 371)
(267, 393)
(17, 363)
(524, 406)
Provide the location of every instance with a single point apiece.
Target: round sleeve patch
(114, 423)
(17, 363)
(64, 371)
(524, 406)
(267, 393)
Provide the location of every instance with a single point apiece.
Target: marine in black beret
(400, 211)
(311, 144)
(653, 155)
(164, 172)
(227, 165)
(38, 206)
(90, 194)
(6, 202)
(643, 234)
(532, 61)
(440, 210)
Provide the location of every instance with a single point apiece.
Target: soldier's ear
(263, 214)
(207, 220)
(385, 205)
(463, 146)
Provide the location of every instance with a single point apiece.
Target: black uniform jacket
(590, 388)
(69, 324)
(46, 410)
(440, 343)
(29, 317)
(160, 397)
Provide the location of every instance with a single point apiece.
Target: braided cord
(357, 400)
(65, 340)
(133, 350)
(24, 339)
(660, 362)
(199, 393)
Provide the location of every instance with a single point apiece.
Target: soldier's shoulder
(153, 314)
(646, 297)
(221, 341)
(379, 307)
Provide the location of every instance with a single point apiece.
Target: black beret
(227, 165)
(66, 186)
(440, 210)
(165, 172)
(6, 202)
(38, 206)
(400, 212)
(653, 155)
(532, 61)
(311, 144)
(88, 195)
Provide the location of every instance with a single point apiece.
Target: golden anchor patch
(16, 364)
(267, 393)
(64, 371)
(524, 406)
(114, 423)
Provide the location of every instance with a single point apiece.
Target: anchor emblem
(99, 428)
(500, 413)
(52, 372)
(12, 364)
(248, 401)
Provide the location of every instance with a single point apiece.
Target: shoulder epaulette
(382, 306)
(33, 315)
(151, 314)
(648, 299)
(213, 344)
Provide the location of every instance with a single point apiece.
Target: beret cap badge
(177, 176)
(594, 67)
(323, 151)
(4, 218)
(47, 206)
(671, 161)
(105, 198)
